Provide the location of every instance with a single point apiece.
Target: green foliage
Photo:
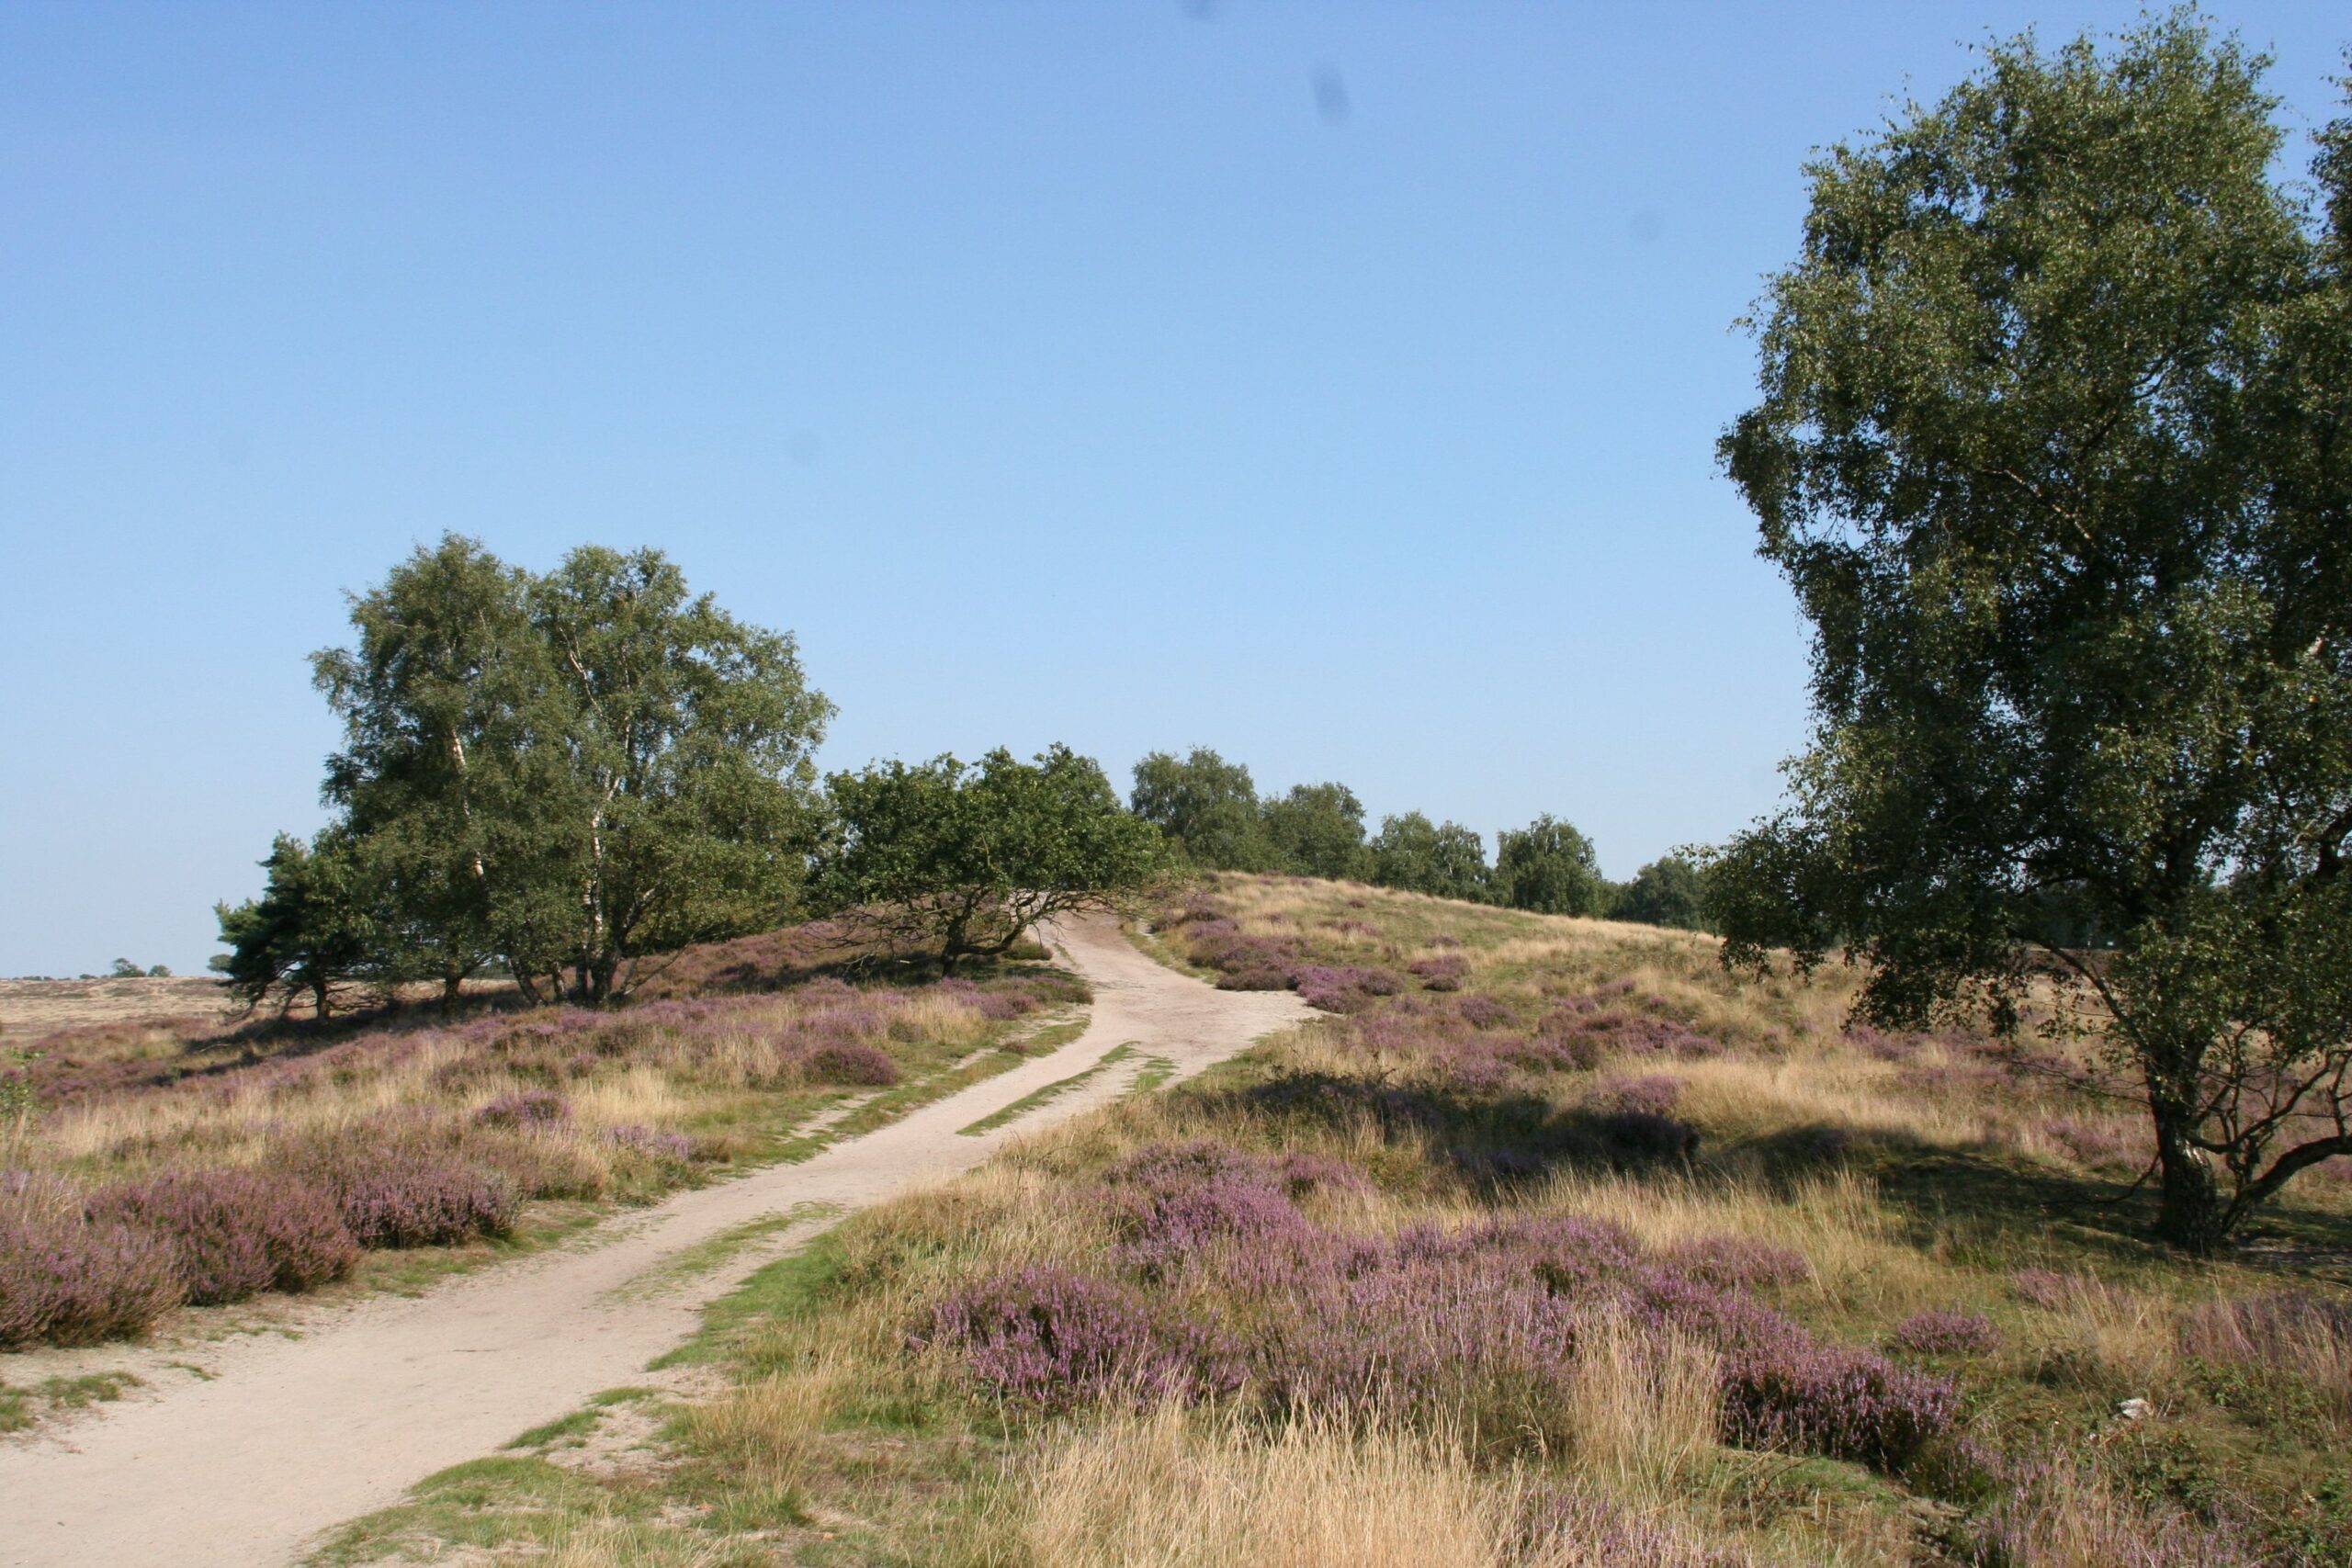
(1318, 831)
(1669, 891)
(965, 859)
(573, 770)
(1448, 859)
(2050, 448)
(19, 1098)
(1549, 867)
(1206, 806)
(311, 929)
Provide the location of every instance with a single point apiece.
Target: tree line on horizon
(1215, 820)
(559, 777)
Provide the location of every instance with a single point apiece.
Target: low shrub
(1343, 987)
(408, 1193)
(1053, 1338)
(853, 1062)
(67, 1281)
(1445, 972)
(233, 1234)
(526, 1108)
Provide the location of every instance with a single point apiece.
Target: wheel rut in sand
(290, 1436)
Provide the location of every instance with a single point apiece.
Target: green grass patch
(21, 1407)
(788, 1287)
(1048, 1094)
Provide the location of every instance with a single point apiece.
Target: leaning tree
(2052, 446)
(966, 859)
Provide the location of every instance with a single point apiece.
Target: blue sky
(1335, 384)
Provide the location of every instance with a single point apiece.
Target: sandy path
(293, 1436)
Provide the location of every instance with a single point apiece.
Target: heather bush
(653, 1144)
(67, 1281)
(405, 1192)
(1952, 1332)
(1052, 1338)
(1445, 972)
(1655, 1094)
(1343, 987)
(853, 1062)
(1786, 1388)
(526, 1108)
(1737, 1262)
(1303, 1172)
(1171, 1201)
(1483, 1012)
(233, 1234)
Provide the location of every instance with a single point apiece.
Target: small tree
(1549, 867)
(1668, 891)
(1206, 806)
(1318, 831)
(2053, 448)
(966, 860)
(309, 931)
(1448, 859)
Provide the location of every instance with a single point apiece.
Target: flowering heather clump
(1483, 1012)
(65, 1281)
(1945, 1333)
(405, 1194)
(1443, 972)
(1054, 1338)
(853, 1062)
(1171, 1200)
(1785, 1388)
(233, 1234)
(1655, 1094)
(1343, 987)
(1737, 1262)
(1303, 1172)
(527, 1108)
(652, 1144)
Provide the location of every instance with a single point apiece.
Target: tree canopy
(2052, 447)
(1446, 860)
(1318, 831)
(311, 929)
(1549, 867)
(567, 771)
(1669, 891)
(1206, 806)
(965, 858)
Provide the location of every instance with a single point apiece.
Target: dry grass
(1176, 1490)
(767, 1430)
(1643, 1409)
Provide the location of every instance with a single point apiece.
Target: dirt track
(293, 1436)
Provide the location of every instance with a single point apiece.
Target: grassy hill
(1550, 1244)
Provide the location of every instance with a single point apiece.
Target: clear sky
(1335, 384)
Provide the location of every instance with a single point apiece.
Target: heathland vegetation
(1554, 1243)
(1564, 1236)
